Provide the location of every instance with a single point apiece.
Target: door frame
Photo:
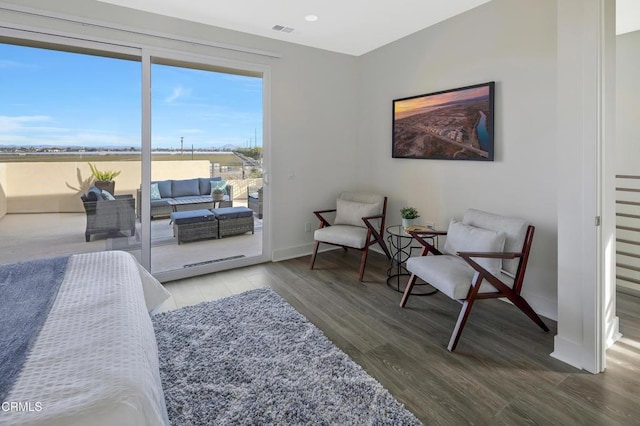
(148, 55)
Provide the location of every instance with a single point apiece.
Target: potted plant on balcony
(217, 194)
(103, 180)
(409, 215)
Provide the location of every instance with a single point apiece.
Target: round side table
(401, 245)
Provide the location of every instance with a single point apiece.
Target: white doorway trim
(585, 145)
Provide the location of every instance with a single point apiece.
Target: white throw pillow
(461, 237)
(351, 212)
(155, 192)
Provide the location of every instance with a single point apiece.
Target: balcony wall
(55, 187)
(3, 185)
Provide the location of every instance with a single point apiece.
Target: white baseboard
(567, 351)
(298, 251)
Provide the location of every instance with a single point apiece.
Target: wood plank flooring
(501, 372)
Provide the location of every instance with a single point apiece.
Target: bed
(92, 358)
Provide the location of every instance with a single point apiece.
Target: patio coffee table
(198, 202)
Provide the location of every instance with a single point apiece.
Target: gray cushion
(161, 202)
(225, 213)
(450, 274)
(193, 216)
(164, 186)
(186, 187)
(344, 235)
(515, 230)
(106, 195)
(94, 194)
(461, 237)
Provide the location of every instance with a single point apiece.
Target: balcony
(41, 215)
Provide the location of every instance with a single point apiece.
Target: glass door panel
(62, 113)
(206, 137)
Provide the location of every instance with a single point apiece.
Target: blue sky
(57, 98)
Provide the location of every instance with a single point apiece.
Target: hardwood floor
(501, 372)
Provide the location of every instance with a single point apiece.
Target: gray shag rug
(253, 359)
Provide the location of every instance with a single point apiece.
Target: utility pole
(181, 146)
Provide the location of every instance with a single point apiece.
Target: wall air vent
(282, 29)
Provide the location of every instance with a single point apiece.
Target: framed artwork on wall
(454, 124)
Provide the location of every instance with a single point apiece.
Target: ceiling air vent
(282, 29)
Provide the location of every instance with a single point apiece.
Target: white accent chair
(358, 224)
(485, 256)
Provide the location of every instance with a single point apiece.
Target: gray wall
(628, 103)
(513, 44)
(331, 118)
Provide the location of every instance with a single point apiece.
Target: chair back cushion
(351, 207)
(94, 194)
(515, 230)
(461, 237)
(164, 186)
(185, 188)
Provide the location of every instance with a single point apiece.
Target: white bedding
(95, 361)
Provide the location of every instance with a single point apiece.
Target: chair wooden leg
(407, 290)
(528, 310)
(313, 256)
(363, 262)
(464, 312)
(462, 321)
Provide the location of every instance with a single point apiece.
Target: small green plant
(409, 213)
(105, 176)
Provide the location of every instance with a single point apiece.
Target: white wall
(628, 103)
(331, 125)
(513, 44)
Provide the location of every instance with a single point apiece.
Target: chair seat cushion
(344, 235)
(451, 275)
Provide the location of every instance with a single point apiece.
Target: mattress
(95, 360)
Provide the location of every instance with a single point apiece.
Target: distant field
(222, 159)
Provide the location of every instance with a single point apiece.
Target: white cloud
(178, 92)
(8, 123)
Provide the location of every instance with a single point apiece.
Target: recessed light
(311, 18)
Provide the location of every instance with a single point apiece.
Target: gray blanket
(27, 292)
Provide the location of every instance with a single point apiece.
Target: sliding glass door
(71, 111)
(206, 145)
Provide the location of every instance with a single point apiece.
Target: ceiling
(353, 27)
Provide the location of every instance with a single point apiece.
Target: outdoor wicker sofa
(197, 190)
